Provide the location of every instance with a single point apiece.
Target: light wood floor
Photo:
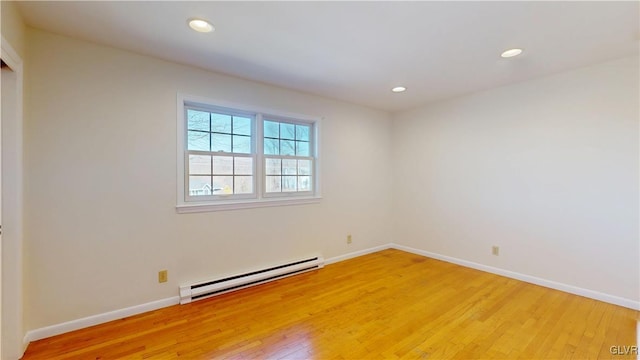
(390, 304)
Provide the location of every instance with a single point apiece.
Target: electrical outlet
(495, 250)
(163, 276)
(349, 239)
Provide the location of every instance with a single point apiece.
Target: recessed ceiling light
(200, 25)
(399, 89)
(511, 53)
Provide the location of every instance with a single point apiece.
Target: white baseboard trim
(72, 325)
(68, 326)
(62, 328)
(596, 295)
(354, 254)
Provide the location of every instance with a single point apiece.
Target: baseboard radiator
(205, 289)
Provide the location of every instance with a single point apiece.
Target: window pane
(273, 166)
(287, 147)
(271, 147)
(222, 185)
(197, 120)
(243, 166)
(199, 185)
(223, 165)
(302, 148)
(304, 183)
(220, 142)
(243, 184)
(241, 125)
(241, 144)
(274, 184)
(221, 154)
(302, 132)
(271, 129)
(304, 167)
(289, 167)
(221, 123)
(198, 140)
(199, 165)
(287, 131)
(289, 183)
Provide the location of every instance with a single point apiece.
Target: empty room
(320, 180)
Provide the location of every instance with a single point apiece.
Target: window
(233, 157)
(287, 156)
(220, 156)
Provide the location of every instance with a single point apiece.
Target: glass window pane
(289, 167)
(304, 167)
(287, 147)
(241, 125)
(223, 165)
(221, 123)
(304, 183)
(197, 140)
(287, 131)
(271, 147)
(243, 184)
(197, 120)
(274, 184)
(199, 165)
(243, 166)
(302, 132)
(222, 185)
(289, 183)
(273, 166)
(302, 148)
(199, 185)
(241, 144)
(220, 142)
(271, 129)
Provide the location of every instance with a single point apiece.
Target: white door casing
(11, 204)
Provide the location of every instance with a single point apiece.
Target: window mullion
(260, 179)
(297, 134)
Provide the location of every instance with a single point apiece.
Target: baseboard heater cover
(205, 289)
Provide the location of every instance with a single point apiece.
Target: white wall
(12, 52)
(100, 137)
(13, 29)
(545, 169)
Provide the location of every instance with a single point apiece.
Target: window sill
(244, 204)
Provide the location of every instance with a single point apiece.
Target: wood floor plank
(390, 304)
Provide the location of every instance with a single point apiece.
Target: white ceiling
(357, 51)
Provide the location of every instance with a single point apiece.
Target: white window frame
(311, 157)
(189, 204)
(218, 197)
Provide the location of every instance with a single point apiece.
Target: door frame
(15, 275)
